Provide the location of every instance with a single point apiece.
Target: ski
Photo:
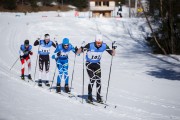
(59, 93)
(30, 80)
(26, 76)
(108, 105)
(105, 105)
(70, 95)
(91, 103)
(88, 102)
(40, 84)
(27, 80)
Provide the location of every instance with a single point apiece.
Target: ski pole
(14, 63)
(56, 65)
(73, 72)
(36, 62)
(53, 78)
(109, 78)
(83, 77)
(109, 74)
(83, 43)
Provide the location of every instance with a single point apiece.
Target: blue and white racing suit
(62, 62)
(44, 51)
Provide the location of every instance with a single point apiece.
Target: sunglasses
(66, 45)
(99, 43)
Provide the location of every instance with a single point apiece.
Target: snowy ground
(143, 86)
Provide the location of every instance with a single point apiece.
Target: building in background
(102, 8)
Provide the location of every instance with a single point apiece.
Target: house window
(106, 3)
(97, 3)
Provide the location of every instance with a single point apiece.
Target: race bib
(94, 55)
(44, 49)
(64, 54)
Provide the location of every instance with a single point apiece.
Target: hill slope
(142, 86)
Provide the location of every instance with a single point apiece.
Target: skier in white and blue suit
(93, 57)
(61, 57)
(44, 59)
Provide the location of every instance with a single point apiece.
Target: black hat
(26, 42)
(46, 35)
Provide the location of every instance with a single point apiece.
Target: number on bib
(96, 57)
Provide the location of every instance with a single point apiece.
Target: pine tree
(165, 14)
(33, 3)
(9, 4)
(80, 4)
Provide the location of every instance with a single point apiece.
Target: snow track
(142, 86)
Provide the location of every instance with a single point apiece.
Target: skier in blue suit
(61, 57)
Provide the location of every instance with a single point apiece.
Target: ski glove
(58, 54)
(82, 48)
(114, 47)
(31, 53)
(76, 49)
(21, 57)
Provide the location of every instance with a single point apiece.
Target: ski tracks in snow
(112, 29)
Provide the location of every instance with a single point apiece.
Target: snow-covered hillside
(142, 86)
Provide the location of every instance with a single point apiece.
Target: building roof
(101, 0)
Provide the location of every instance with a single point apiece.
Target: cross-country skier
(25, 51)
(44, 51)
(119, 9)
(61, 57)
(93, 57)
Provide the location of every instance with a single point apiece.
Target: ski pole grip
(114, 47)
(56, 43)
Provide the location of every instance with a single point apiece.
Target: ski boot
(29, 77)
(99, 99)
(67, 88)
(90, 99)
(40, 83)
(22, 76)
(47, 83)
(58, 88)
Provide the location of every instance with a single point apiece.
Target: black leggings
(94, 72)
(44, 59)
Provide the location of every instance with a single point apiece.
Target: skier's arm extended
(74, 49)
(36, 43)
(56, 53)
(53, 44)
(81, 48)
(111, 52)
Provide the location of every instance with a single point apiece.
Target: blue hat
(65, 41)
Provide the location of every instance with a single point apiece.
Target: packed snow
(143, 86)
